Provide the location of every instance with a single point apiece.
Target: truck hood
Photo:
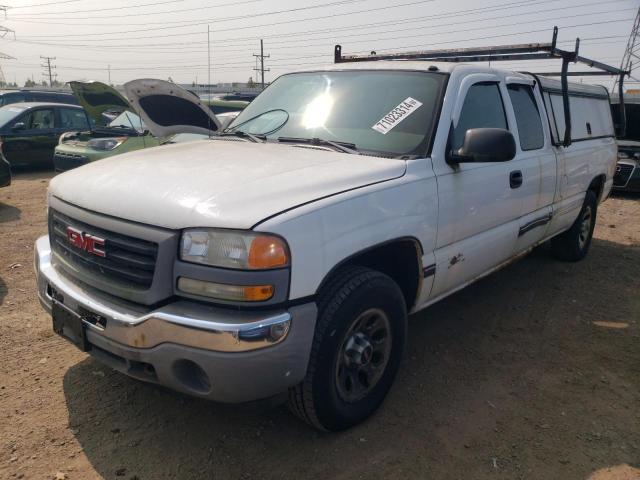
(97, 98)
(168, 109)
(216, 183)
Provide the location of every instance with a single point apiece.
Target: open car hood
(168, 109)
(97, 98)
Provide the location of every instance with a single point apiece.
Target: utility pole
(109, 70)
(261, 57)
(47, 65)
(209, 62)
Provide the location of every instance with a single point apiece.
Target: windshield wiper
(344, 147)
(239, 133)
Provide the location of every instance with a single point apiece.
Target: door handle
(515, 179)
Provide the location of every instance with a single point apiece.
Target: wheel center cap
(358, 350)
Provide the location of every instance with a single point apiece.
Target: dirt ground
(533, 373)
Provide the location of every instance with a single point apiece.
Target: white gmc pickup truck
(284, 253)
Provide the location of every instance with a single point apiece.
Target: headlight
(623, 154)
(106, 143)
(234, 249)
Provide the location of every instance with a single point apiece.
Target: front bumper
(630, 181)
(215, 353)
(67, 161)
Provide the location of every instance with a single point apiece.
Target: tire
(357, 349)
(573, 245)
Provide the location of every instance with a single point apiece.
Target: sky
(120, 41)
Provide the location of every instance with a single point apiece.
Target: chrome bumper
(244, 355)
(183, 322)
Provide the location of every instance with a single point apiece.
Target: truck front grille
(127, 261)
(623, 172)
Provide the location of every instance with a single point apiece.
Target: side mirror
(19, 126)
(485, 145)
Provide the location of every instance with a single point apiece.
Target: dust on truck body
(283, 255)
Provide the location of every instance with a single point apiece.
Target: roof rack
(527, 51)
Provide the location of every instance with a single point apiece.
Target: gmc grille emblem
(84, 241)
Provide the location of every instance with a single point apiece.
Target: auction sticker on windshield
(392, 119)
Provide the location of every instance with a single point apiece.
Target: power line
(403, 21)
(42, 4)
(126, 7)
(189, 23)
(182, 10)
(178, 45)
(206, 21)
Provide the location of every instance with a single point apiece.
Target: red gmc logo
(86, 242)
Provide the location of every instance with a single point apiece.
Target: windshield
(128, 120)
(8, 113)
(390, 112)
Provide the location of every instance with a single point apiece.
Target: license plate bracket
(69, 326)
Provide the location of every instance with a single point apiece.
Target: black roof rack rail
(526, 51)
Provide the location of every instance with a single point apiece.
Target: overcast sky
(168, 38)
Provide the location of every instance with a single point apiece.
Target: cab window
(73, 118)
(38, 119)
(482, 108)
(527, 117)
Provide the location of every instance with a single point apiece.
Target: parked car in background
(126, 133)
(219, 106)
(5, 172)
(236, 96)
(29, 132)
(8, 97)
(627, 177)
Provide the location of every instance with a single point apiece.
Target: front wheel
(573, 245)
(357, 349)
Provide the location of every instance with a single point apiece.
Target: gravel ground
(533, 372)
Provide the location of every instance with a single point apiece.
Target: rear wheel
(357, 348)
(573, 245)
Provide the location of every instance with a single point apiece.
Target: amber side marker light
(267, 252)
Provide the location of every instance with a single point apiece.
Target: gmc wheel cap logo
(84, 241)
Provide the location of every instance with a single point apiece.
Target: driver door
(479, 203)
(31, 139)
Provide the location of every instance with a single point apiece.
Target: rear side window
(9, 98)
(482, 108)
(527, 117)
(73, 118)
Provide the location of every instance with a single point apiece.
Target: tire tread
(333, 294)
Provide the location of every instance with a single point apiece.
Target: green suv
(124, 133)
